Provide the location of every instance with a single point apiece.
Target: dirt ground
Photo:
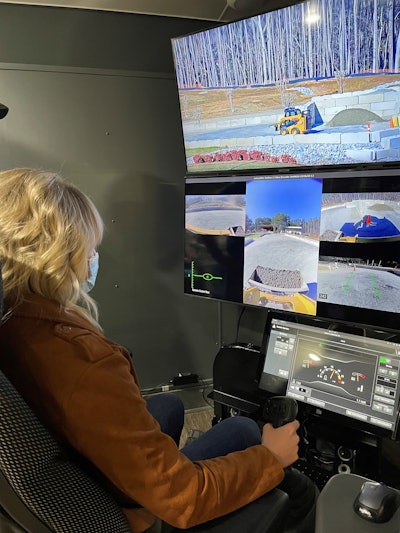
(208, 103)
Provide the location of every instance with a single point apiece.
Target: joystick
(279, 410)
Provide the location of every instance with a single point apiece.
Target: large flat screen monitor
(323, 243)
(346, 370)
(312, 84)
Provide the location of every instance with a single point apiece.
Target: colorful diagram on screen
(345, 374)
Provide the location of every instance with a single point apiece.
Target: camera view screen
(359, 246)
(353, 375)
(302, 243)
(311, 84)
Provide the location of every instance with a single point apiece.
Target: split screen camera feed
(294, 243)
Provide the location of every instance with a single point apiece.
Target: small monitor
(349, 371)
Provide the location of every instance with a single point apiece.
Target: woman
(83, 386)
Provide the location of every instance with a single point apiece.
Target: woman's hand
(283, 442)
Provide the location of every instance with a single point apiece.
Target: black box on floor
(235, 379)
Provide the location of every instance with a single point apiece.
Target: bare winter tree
(351, 36)
(229, 95)
(340, 76)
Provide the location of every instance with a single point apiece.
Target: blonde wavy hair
(48, 230)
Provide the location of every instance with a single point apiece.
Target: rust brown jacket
(84, 389)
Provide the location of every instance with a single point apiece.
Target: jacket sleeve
(106, 420)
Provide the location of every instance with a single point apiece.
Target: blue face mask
(93, 269)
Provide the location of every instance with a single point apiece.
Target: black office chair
(42, 491)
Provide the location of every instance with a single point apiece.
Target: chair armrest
(17, 511)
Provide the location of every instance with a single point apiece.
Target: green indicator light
(382, 359)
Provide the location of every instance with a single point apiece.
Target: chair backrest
(40, 489)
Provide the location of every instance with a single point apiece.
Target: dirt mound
(381, 207)
(350, 117)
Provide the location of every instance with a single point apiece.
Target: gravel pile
(349, 117)
(330, 235)
(285, 279)
(319, 154)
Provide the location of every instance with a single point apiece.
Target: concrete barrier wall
(384, 102)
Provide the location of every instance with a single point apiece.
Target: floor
(199, 410)
(196, 423)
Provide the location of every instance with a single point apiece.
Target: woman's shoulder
(45, 321)
(37, 307)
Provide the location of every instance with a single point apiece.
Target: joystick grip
(279, 410)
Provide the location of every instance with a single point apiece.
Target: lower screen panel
(318, 244)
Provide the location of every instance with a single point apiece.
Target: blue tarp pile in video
(370, 227)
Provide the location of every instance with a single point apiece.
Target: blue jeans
(266, 514)
(229, 435)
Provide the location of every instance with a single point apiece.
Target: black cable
(238, 323)
(203, 392)
(157, 388)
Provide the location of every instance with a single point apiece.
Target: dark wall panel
(87, 38)
(92, 95)
(118, 138)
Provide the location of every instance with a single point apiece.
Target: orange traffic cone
(391, 125)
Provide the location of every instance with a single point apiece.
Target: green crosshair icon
(206, 276)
